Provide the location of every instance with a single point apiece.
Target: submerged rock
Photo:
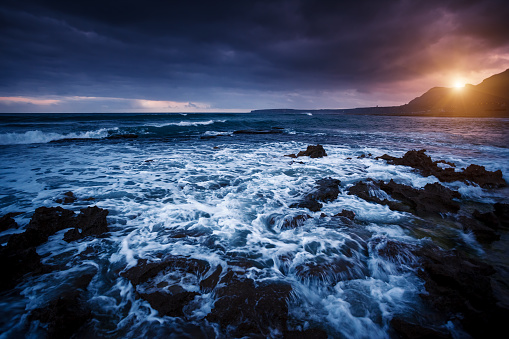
(472, 174)
(170, 304)
(326, 190)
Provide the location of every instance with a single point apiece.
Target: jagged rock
(472, 174)
(67, 314)
(326, 190)
(407, 330)
(346, 214)
(45, 221)
(209, 283)
(313, 152)
(295, 222)
(145, 270)
(14, 264)
(433, 200)
(244, 309)
(313, 333)
(90, 222)
(7, 221)
(461, 287)
(169, 304)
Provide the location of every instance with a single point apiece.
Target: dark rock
(45, 221)
(456, 285)
(502, 213)
(313, 152)
(245, 309)
(68, 198)
(472, 174)
(326, 190)
(90, 222)
(64, 316)
(406, 330)
(7, 221)
(331, 271)
(295, 222)
(483, 233)
(313, 333)
(145, 270)
(209, 283)
(122, 136)
(291, 155)
(14, 264)
(20, 257)
(346, 214)
(169, 304)
(433, 200)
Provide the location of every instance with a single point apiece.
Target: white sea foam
(37, 137)
(186, 123)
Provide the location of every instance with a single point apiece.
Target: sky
(235, 56)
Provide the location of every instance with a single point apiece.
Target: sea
(218, 187)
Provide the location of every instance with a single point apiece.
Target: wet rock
(313, 152)
(313, 333)
(45, 221)
(145, 270)
(407, 330)
(291, 155)
(426, 166)
(209, 283)
(90, 222)
(295, 222)
(325, 190)
(332, 270)
(19, 256)
(244, 308)
(461, 287)
(167, 303)
(66, 315)
(7, 221)
(501, 211)
(346, 214)
(433, 200)
(484, 234)
(15, 264)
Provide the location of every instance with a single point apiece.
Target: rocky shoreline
(460, 288)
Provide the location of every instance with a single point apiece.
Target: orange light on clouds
(28, 100)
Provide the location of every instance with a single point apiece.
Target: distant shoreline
(392, 111)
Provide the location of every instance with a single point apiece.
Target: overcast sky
(124, 56)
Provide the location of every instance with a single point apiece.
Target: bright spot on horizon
(459, 84)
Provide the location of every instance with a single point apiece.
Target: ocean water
(229, 195)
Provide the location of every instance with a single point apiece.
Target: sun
(459, 84)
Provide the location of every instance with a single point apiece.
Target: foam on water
(36, 137)
(221, 201)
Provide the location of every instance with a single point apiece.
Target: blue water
(192, 173)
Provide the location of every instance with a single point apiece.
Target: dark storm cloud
(155, 49)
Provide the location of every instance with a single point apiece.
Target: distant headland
(490, 98)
